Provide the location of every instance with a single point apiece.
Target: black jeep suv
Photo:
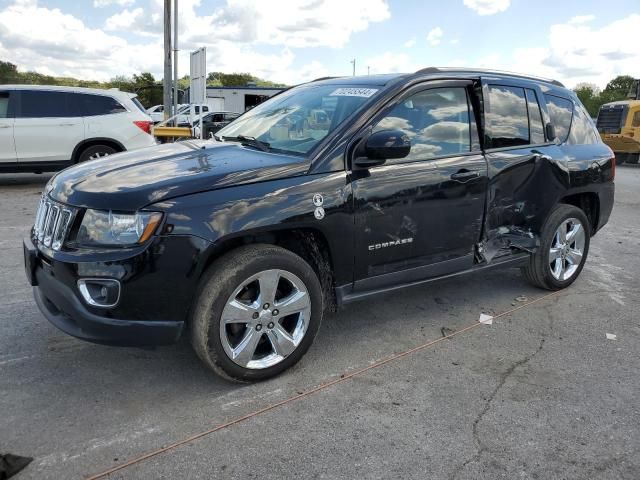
(330, 192)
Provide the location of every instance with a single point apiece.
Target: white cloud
(52, 42)
(409, 43)
(236, 35)
(434, 37)
(123, 20)
(577, 52)
(392, 62)
(309, 23)
(487, 7)
(106, 3)
(582, 19)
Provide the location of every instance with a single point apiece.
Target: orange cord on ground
(344, 377)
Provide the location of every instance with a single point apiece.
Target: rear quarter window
(582, 129)
(561, 112)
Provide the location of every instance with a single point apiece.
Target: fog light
(100, 292)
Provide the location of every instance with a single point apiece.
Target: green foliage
(592, 98)
(220, 79)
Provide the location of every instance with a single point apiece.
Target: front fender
(228, 214)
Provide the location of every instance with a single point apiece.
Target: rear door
(46, 128)
(7, 144)
(420, 216)
(523, 167)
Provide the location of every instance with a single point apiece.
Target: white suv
(45, 128)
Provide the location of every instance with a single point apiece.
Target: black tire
(95, 151)
(538, 271)
(221, 280)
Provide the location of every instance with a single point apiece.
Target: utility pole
(353, 62)
(166, 81)
(368, 69)
(175, 59)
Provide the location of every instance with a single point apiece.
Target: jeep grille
(53, 221)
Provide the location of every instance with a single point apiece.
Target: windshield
(297, 120)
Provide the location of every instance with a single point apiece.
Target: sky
(293, 41)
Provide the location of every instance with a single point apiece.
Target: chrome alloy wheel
(265, 319)
(97, 155)
(567, 249)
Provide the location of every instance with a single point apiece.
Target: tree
(589, 95)
(619, 87)
(8, 72)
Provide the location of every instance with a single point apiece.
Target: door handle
(465, 175)
(4, 125)
(66, 124)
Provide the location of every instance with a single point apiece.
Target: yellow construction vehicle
(619, 126)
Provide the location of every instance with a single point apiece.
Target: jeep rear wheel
(564, 245)
(257, 312)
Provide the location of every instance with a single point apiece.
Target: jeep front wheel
(257, 312)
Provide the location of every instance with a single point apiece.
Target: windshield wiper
(250, 142)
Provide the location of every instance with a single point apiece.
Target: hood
(131, 180)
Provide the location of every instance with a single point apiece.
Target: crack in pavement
(481, 447)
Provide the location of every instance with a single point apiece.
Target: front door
(7, 144)
(420, 216)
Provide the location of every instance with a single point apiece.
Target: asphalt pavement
(542, 393)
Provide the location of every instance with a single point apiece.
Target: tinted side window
(89, 105)
(507, 119)
(582, 129)
(436, 121)
(536, 129)
(560, 111)
(42, 104)
(4, 104)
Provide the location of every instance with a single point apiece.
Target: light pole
(175, 60)
(353, 62)
(166, 82)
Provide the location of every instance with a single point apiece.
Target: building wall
(234, 98)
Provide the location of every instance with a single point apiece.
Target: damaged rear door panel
(527, 171)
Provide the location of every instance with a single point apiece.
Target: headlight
(109, 228)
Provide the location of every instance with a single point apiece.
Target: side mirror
(384, 145)
(550, 131)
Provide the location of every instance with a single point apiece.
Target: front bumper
(55, 292)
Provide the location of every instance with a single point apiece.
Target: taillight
(144, 125)
(613, 167)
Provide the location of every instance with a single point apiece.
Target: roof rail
(490, 71)
(322, 78)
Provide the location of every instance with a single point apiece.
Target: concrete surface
(540, 394)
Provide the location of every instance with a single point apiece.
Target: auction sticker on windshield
(353, 92)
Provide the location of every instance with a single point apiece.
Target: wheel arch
(309, 243)
(589, 203)
(90, 142)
